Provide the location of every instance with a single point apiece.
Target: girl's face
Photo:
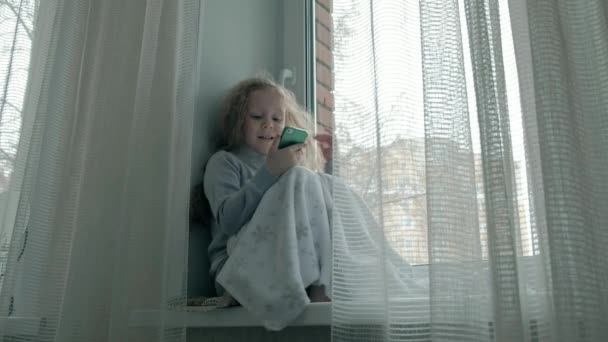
(264, 119)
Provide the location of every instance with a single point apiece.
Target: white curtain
(476, 131)
(96, 143)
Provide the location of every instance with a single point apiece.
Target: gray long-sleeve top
(234, 183)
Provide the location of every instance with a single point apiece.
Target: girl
(253, 117)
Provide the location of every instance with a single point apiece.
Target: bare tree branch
(11, 59)
(18, 15)
(11, 105)
(6, 156)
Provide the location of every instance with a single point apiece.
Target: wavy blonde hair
(234, 110)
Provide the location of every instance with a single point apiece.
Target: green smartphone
(292, 136)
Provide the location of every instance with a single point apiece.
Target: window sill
(20, 326)
(315, 314)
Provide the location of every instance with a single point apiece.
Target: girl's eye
(255, 116)
(276, 119)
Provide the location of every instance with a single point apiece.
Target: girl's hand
(326, 145)
(279, 161)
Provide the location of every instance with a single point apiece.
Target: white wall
(240, 39)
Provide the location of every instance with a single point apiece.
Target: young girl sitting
(236, 177)
(276, 218)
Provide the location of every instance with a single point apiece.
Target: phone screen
(292, 136)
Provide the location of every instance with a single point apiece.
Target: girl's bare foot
(317, 294)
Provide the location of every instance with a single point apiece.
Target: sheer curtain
(94, 210)
(476, 133)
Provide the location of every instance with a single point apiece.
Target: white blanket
(287, 246)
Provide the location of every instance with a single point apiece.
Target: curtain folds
(570, 67)
(476, 132)
(100, 189)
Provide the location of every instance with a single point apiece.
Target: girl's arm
(232, 205)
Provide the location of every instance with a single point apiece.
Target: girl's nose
(267, 124)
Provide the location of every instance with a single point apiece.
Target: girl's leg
(285, 248)
(316, 293)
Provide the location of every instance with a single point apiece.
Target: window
(16, 30)
(348, 68)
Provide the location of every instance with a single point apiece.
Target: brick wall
(324, 65)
